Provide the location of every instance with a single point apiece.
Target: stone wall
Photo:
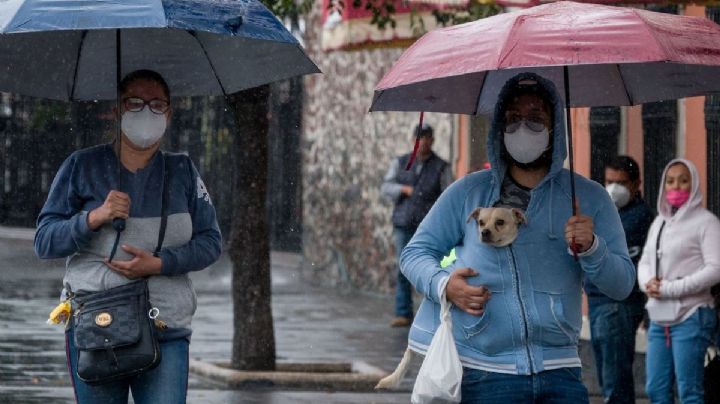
(347, 236)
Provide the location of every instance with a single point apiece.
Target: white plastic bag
(440, 375)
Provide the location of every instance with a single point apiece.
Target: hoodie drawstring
(667, 336)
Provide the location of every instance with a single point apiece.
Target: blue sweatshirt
(532, 321)
(192, 239)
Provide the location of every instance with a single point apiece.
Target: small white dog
(497, 227)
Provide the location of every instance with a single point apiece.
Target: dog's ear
(474, 214)
(519, 216)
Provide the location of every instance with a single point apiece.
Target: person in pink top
(679, 265)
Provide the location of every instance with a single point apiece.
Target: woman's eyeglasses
(136, 104)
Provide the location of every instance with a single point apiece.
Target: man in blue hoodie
(613, 323)
(517, 309)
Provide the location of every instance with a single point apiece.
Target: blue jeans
(558, 386)
(613, 326)
(167, 383)
(681, 361)
(404, 289)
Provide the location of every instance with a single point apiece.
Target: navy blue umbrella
(71, 50)
(79, 49)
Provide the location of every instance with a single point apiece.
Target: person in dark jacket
(414, 191)
(125, 180)
(613, 323)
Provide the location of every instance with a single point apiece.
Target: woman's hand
(142, 265)
(471, 299)
(116, 205)
(652, 288)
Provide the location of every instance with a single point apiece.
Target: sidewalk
(312, 324)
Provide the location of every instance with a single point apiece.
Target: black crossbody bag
(114, 330)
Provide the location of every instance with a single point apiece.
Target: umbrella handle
(413, 155)
(118, 224)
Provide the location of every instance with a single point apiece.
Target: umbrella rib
(77, 65)
(212, 66)
(622, 80)
(518, 21)
(477, 101)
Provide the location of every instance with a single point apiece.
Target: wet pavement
(309, 327)
(312, 324)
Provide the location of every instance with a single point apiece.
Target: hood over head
(663, 206)
(496, 147)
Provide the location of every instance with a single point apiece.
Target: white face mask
(143, 128)
(619, 194)
(526, 145)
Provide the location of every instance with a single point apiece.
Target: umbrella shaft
(571, 150)
(118, 224)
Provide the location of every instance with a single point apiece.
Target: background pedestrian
(613, 323)
(679, 265)
(414, 192)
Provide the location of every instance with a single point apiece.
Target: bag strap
(657, 251)
(164, 204)
(445, 306)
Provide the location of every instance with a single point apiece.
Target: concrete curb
(355, 376)
(17, 233)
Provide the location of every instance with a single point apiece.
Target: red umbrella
(613, 56)
(596, 56)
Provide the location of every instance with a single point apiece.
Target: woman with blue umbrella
(76, 222)
(80, 51)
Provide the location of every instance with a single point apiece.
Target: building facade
(346, 151)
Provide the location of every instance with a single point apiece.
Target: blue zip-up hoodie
(532, 321)
(192, 239)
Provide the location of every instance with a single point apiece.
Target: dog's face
(498, 226)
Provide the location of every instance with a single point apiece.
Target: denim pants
(167, 383)
(612, 327)
(557, 386)
(679, 358)
(404, 289)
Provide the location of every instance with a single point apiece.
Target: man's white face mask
(525, 144)
(143, 128)
(619, 194)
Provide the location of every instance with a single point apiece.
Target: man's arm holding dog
(471, 299)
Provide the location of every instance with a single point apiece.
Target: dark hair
(144, 74)
(424, 130)
(626, 164)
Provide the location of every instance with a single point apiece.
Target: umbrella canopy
(611, 55)
(66, 50)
